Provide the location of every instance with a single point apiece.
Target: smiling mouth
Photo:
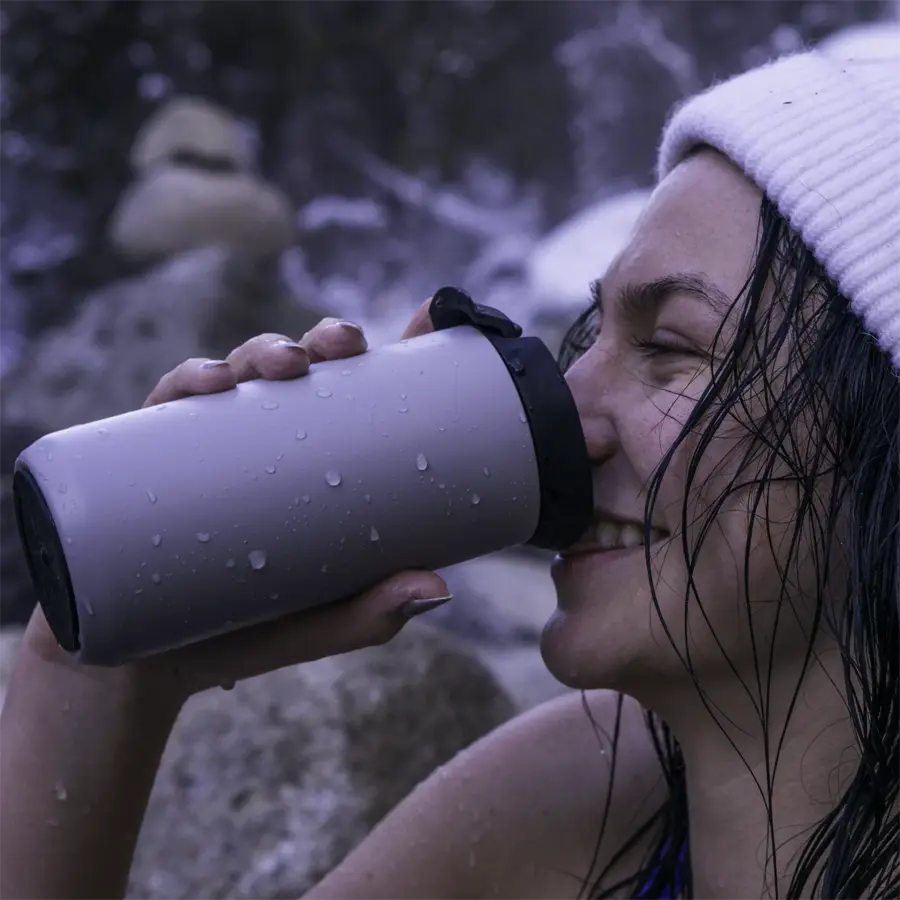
(605, 536)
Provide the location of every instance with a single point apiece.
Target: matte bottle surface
(196, 517)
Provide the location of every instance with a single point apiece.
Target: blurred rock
(106, 361)
(192, 126)
(265, 789)
(17, 597)
(176, 208)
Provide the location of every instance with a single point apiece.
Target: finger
(420, 323)
(364, 621)
(274, 357)
(334, 339)
(193, 376)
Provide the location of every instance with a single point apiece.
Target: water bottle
(171, 524)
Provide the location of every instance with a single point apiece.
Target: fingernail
(344, 323)
(289, 345)
(213, 364)
(413, 608)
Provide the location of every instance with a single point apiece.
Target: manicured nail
(289, 345)
(344, 323)
(213, 364)
(413, 608)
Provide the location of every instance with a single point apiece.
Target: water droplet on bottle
(373, 534)
(161, 406)
(441, 428)
(523, 417)
(367, 498)
(332, 478)
(229, 564)
(421, 462)
(306, 498)
(270, 470)
(269, 404)
(63, 488)
(257, 559)
(300, 435)
(60, 790)
(325, 568)
(192, 415)
(475, 499)
(156, 578)
(487, 472)
(151, 496)
(403, 396)
(203, 537)
(88, 607)
(69, 540)
(441, 485)
(324, 393)
(273, 596)
(403, 409)
(139, 591)
(346, 372)
(279, 457)
(103, 431)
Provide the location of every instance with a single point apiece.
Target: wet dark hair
(842, 386)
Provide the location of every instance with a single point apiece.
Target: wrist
(148, 680)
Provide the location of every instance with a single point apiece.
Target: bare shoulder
(518, 813)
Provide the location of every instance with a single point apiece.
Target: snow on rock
(563, 265)
(869, 41)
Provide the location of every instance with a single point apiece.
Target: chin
(602, 634)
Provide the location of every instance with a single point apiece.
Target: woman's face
(689, 258)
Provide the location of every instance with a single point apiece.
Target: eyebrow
(639, 301)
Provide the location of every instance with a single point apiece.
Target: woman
(737, 380)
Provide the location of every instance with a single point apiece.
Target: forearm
(79, 750)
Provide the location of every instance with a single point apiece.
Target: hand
(369, 619)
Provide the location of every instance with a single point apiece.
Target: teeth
(612, 536)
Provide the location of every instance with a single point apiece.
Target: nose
(593, 387)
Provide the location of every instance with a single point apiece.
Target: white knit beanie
(820, 136)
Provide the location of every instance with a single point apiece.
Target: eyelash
(652, 348)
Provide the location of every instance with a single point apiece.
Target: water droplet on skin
(257, 559)
(161, 406)
(373, 534)
(203, 537)
(421, 462)
(269, 404)
(229, 564)
(300, 435)
(63, 488)
(332, 478)
(192, 415)
(156, 578)
(151, 496)
(270, 470)
(523, 417)
(324, 393)
(346, 372)
(403, 409)
(475, 499)
(60, 790)
(487, 472)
